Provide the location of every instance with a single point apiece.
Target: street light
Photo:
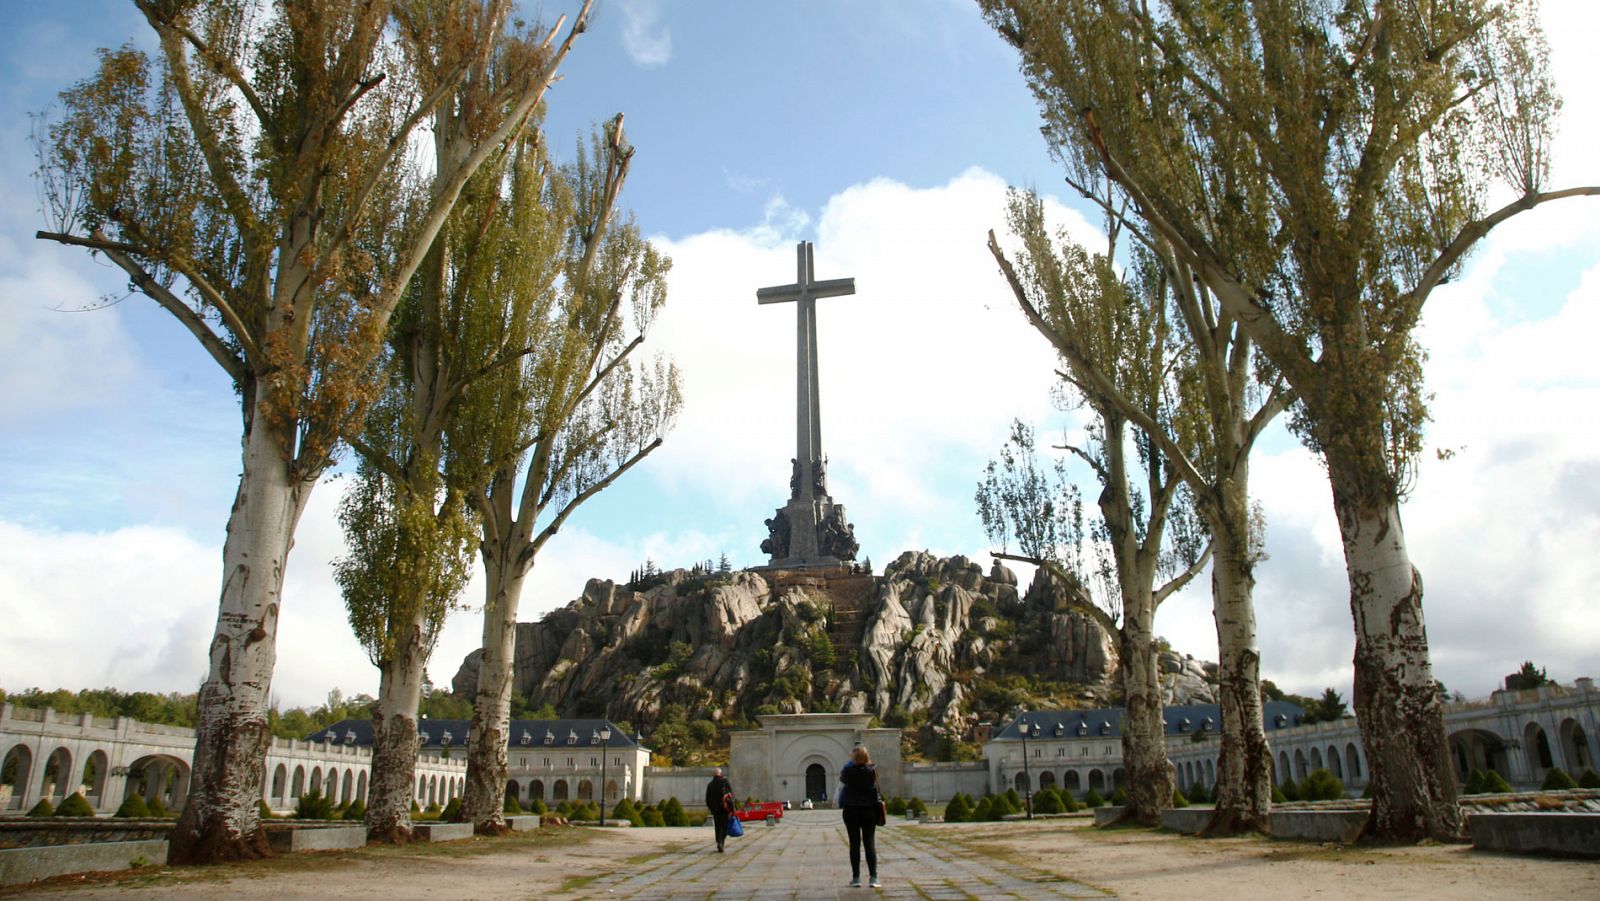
(605, 738)
(1027, 775)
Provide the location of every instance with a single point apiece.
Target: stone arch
(95, 770)
(514, 791)
(558, 791)
(1097, 780)
(16, 773)
(1574, 747)
(1285, 773)
(1334, 765)
(1536, 745)
(57, 781)
(611, 791)
(1071, 781)
(1047, 779)
(361, 787)
(1020, 780)
(315, 785)
(817, 782)
(585, 790)
(280, 784)
(1300, 771)
(1316, 759)
(433, 791)
(330, 786)
(298, 786)
(422, 788)
(159, 777)
(1352, 760)
(536, 790)
(1211, 772)
(348, 794)
(1477, 749)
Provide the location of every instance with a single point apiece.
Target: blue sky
(886, 132)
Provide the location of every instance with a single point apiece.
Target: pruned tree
(1226, 404)
(1320, 167)
(565, 422)
(254, 181)
(1121, 343)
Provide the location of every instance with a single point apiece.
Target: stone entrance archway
(816, 782)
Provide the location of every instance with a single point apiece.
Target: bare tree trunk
(1244, 766)
(1396, 701)
(483, 804)
(221, 820)
(1144, 749)
(394, 740)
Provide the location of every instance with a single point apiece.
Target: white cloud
(647, 42)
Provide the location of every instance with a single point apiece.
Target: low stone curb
(441, 832)
(22, 865)
(1526, 832)
(316, 838)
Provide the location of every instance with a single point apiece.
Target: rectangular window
(569, 761)
(594, 761)
(522, 762)
(1108, 750)
(1037, 752)
(1061, 752)
(547, 761)
(1083, 751)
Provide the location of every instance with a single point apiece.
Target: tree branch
(1076, 599)
(526, 559)
(1183, 578)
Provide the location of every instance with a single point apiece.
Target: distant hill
(934, 645)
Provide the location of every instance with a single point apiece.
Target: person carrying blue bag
(863, 813)
(720, 801)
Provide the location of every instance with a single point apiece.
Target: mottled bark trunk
(394, 741)
(1144, 749)
(483, 804)
(1244, 766)
(1396, 701)
(221, 821)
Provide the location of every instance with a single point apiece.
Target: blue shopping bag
(735, 828)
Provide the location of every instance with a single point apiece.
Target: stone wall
(940, 781)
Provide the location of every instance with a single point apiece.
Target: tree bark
(483, 804)
(1396, 701)
(394, 741)
(221, 820)
(1144, 748)
(1244, 766)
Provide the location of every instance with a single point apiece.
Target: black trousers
(861, 824)
(719, 823)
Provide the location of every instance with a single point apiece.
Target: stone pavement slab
(807, 856)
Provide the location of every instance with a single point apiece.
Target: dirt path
(1054, 857)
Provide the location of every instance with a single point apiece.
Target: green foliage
(1278, 797)
(627, 810)
(262, 810)
(1495, 783)
(1048, 801)
(982, 811)
(1068, 802)
(895, 806)
(1291, 791)
(1530, 676)
(356, 812)
(74, 805)
(1118, 797)
(819, 649)
(585, 811)
(42, 809)
(538, 806)
(173, 709)
(511, 806)
(1556, 779)
(672, 813)
(1040, 508)
(451, 812)
(158, 808)
(1178, 800)
(652, 816)
(313, 806)
(1474, 784)
(916, 806)
(1093, 799)
(678, 655)
(1589, 779)
(1197, 794)
(133, 808)
(958, 810)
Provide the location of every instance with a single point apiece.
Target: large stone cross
(808, 408)
(811, 530)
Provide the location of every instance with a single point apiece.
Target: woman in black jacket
(719, 800)
(860, 800)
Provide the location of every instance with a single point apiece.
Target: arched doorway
(15, 773)
(94, 778)
(58, 781)
(1575, 747)
(559, 791)
(280, 784)
(1537, 746)
(816, 782)
(1334, 765)
(536, 790)
(1046, 780)
(1072, 781)
(1477, 749)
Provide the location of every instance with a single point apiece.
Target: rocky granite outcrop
(933, 642)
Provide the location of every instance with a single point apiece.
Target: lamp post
(605, 739)
(1027, 775)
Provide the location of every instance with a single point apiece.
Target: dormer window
(424, 736)
(572, 736)
(350, 736)
(594, 737)
(1058, 730)
(527, 738)
(549, 737)
(1083, 728)
(1280, 720)
(1184, 724)
(1105, 727)
(445, 739)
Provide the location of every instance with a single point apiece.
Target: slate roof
(1106, 722)
(438, 734)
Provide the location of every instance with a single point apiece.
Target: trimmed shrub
(672, 813)
(262, 810)
(1291, 790)
(356, 812)
(134, 808)
(982, 811)
(1068, 802)
(651, 816)
(1557, 780)
(1589, 779)
(1495, 783)
(1278, 797)
(1013, 800)
(1322, 785)
(313, 806)
(1093, 799)
(452, 811)
(958, 810)
(627, 810)
(1474, 785)
(42, 809)
(75, 805)
(1119, 797)
(511, 806)
(415, 807)
(896, 806)
(1198, 794)
(538, 806)
(1048, 801)
(587, 811)
(158, 809)
(1178, 800)
(916, 806)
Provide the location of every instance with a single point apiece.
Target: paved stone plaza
(807, 856)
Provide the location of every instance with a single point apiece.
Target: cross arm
(833, 287)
